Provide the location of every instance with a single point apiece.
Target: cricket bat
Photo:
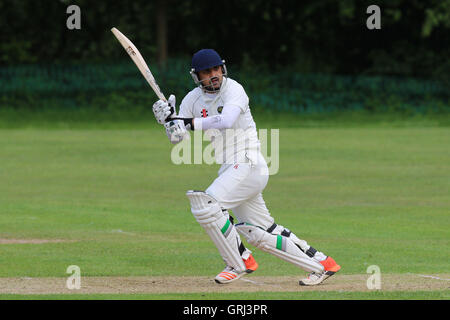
(137, 58)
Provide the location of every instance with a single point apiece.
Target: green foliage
(304, 36)
(119, 88)
(438, 14)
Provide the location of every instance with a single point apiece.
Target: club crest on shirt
(219, 109)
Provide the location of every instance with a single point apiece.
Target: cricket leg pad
(208, 213)
(302, 244)
(278, 245)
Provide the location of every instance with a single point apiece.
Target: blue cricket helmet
(205, 59)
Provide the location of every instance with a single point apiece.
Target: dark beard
(211, 88)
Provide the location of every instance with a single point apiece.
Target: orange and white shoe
(250, 264)
(314, 278)
(229, 274)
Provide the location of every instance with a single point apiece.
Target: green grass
(313, 295)
(141, 116)
(365, 195)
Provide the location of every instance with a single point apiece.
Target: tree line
(325, 36)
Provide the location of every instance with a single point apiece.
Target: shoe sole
(328, 274)
(238, 277)
(250, 268)
(228, 281)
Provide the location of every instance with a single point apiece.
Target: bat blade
(137, 58)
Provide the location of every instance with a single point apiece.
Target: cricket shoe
(314, 278)
(229, 274)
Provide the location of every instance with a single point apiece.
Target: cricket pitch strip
(203, 284)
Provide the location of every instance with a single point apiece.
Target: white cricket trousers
(239, 188)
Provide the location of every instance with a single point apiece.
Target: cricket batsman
(220, 106)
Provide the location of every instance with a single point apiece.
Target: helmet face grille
(209, 88)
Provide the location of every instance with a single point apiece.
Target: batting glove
(163, 110)
(176, 130)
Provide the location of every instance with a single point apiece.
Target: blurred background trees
(305, 36)
(291, 56)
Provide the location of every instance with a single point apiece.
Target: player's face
(211, 77)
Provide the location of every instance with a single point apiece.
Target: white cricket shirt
(225, 117)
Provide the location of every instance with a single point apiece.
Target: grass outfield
(116, 204)
(329, 295)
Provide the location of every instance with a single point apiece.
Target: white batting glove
(164, 109)
(176, 130)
